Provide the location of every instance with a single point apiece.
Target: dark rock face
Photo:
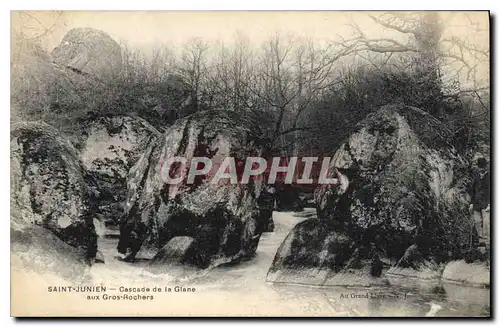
(266, 201)
(224, 219)
(400, 184)
(312, 244)
(110, 146)
(415, 264)
(314, 253)
(165, 114)
(288, 198)
(89, 51)
(133, 232)
(49, 187)
(268, 216)
(179, 250)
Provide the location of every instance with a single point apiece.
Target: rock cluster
(401, 202)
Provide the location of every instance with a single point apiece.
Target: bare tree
(290, 73)
(422, 37)
(229, 74)
(193, 69)
(35, 26)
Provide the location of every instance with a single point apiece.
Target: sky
(143, 28)
(151, 29)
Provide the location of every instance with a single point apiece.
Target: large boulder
(36, 249)
(224, 219)
(474, 273)
(400, 183)
(314, 253)
(109, 147)
(50, 188)
(42, 89)
(90, 51)
(414, 264)
(179, 250)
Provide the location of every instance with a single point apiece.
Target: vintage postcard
(250, 164)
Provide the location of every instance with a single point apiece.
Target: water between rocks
(241, 289)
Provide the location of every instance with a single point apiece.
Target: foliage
(307, 96)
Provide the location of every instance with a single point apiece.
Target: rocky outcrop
(289, 198)
(165, 114)
(109, 147)
(89, 51)
(36, 249)
(314, 253)
(41, 88)
(179, 250)
(223, 218)
(49, 187)
(66, 84)
(475, 273)
(415, 264)
(400, 185)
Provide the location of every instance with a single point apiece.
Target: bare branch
(392, 23)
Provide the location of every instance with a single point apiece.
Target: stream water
(241, 289)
